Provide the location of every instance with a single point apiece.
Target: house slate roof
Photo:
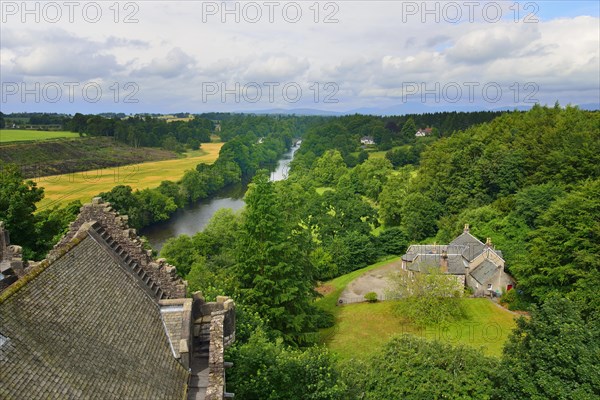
(472, 246)
(484, 271)
(456, 263)
(83, 327)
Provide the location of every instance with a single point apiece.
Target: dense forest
(530, 181)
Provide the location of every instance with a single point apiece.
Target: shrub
(371, 297)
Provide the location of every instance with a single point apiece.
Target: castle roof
(98, 319)
(84, 324)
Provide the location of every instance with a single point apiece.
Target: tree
(50, 225)
(371, 176)
(428, 297)
(182, 253)
(563, 251)
(552, 355)
(392, 241)
(328, 168)
(391, 198)
(17, 205)
(267, 370)
(275, 276)
(408, 130)
(419, 214)
(413, 368)
(195, 185)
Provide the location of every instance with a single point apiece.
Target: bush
(371, 297)
(514, 300)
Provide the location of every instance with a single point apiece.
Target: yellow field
(21, 135)
(61, 189)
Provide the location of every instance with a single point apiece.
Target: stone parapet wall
(116, 225)
(214, 322)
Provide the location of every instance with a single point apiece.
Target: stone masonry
(116, 226)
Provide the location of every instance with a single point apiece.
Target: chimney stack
(488, 242)
(466, 230)
(444, 261)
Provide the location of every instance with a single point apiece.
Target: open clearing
(362, 329)
(21, 135)
(62, 189)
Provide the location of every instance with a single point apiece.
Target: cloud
(487, 44)
(61, 54)
(171, 65)
(280, 68)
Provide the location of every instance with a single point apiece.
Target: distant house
(424, 132)
(475, 264)
(367, 141)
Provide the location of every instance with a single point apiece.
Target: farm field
(62, 189)
(21, 135)
(363, 328)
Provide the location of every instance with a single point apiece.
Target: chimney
(488, 242)
(466, 230)
(444, 262)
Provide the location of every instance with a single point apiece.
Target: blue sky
(342, 56)
(562, 9)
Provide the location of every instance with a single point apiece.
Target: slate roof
(84, 328)
(472, 246)
(425, 261)
(457, 264)
(484, 271)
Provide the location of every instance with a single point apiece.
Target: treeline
(145, 131)
(344, 134)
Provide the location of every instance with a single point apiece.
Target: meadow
(24, 135)
(62, 189)
(362, 329)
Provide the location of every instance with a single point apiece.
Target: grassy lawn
(61, 189)
(363, 328)
(18, 135)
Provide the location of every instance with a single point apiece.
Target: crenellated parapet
(114, 230)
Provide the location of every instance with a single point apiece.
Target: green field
(62, 189)
(362, 329)
(22, 135)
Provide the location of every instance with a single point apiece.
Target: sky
(380, 57)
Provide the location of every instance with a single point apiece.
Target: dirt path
(372, 281)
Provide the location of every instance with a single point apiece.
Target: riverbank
(193, 218)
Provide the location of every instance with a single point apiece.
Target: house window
(489, 286)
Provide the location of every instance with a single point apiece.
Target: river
(195, 217)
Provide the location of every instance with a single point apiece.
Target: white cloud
(369, 53)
